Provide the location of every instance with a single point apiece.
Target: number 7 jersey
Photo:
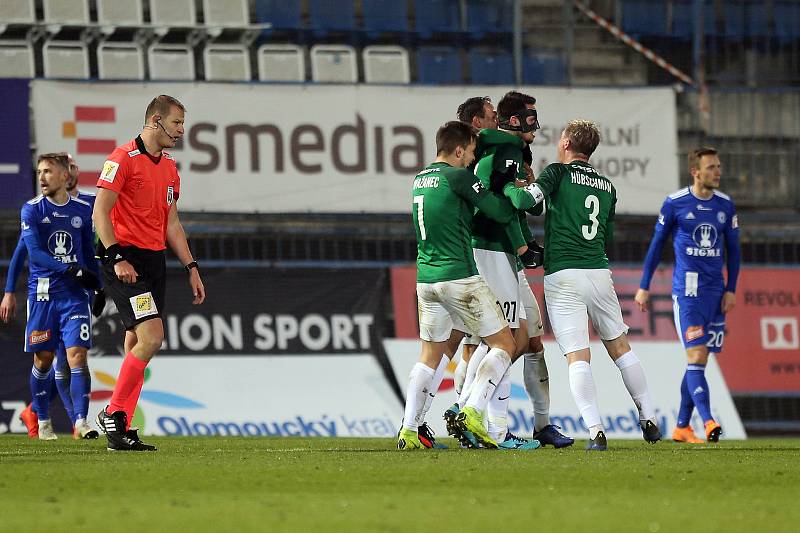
(579, 217)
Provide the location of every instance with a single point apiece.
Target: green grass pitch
(266, 484)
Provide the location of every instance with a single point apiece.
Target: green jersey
(498, 155)
(444, 203)
(580, 216)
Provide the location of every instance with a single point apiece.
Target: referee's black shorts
(145, 299)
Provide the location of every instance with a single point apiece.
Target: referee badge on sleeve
(109, 171)
(143, 305)
(170, 194)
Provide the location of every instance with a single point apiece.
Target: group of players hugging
(470, 211)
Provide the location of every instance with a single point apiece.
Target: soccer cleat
(31, 421)
(550, 434)
(598, 443)
(713, 431)
(650, 431)
(46, 430)
(512, 442)
(120, 439)
(465, 438)
(101, 421)
(83, 430)
(408, 440)
(425, 434)
(469, 419)
(686, 435)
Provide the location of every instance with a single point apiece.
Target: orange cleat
(31, 421)
(713, 431)
(685, 435)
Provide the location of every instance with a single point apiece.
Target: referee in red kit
(135, 217)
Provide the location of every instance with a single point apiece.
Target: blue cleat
(465, 438)
(551, 435)
(598, 444)
(512, 442)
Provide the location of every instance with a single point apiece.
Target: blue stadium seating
(436, 17)
(644, 18)
(495, 17)
(683, 22)
(745, 18)
(281, 14)
(438, 65)
(787, 21)
(491, 68)
(543, 69)
(331, 15)
(384, 16)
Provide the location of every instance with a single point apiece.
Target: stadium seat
(745, 19)
(787, 21)
(173, 13)
(282, 15)
(385, 64)
(491, 67)
(120, 61)
(16, 60)
(331, 15)
(17, 12)
(483, 18)
(643, 18)
(68, 12)
(436, 17)
(281, 62)
(439, 64)
(226, 12)
(543, 68)
(683, 22)
(334, 63)
(116, 13)
(384, 16)
(226, 62)
(65, 59)
(170, 62)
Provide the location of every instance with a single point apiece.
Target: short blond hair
(583, 135)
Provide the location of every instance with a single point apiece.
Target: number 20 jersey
(579, 217)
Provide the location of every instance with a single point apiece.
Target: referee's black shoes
(120, 439)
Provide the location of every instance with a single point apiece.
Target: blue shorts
(700, 321)
(64, 319)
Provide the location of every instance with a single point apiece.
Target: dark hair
(453, 134)
(583, 135)
(695, 155)
(512, 103)
(161, 105)
(58, 158)
(472, 107)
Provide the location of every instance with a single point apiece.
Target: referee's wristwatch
(192, 265)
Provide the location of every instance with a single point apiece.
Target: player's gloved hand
(534, 257)
(83, 276)
(498, 180)
(98, 303)
(527, 155)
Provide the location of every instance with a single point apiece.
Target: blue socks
(63, 386)
(697, 387)
(40, 392)
(687, 404)
(80, 388)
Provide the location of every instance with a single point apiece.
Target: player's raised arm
(176, 238)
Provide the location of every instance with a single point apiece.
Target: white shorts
(530, 306)
(575, 295)
(467, 305)
(499, 270)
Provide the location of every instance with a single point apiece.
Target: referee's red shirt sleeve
(115, 172)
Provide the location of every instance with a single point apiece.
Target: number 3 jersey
(700, 229)
(579, 218)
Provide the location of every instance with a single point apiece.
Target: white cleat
(84, 431)
(46, 430)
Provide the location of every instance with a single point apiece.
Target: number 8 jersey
(580, 215)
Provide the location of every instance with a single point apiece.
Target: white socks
(581, 383)
(633, 376)
(497, 410)
(487, 378)
(537, 384)
(460, 375)
(438, 376)
(472, 369)
(419, 383)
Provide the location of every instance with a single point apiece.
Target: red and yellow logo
(37, 336)
(694, 332)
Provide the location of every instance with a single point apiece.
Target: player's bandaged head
(515, 104)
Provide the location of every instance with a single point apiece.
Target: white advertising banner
(303, 396)
(353, 148)
(664, 364)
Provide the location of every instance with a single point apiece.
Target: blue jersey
(57, 236)
(21, 252)
(700, 230)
